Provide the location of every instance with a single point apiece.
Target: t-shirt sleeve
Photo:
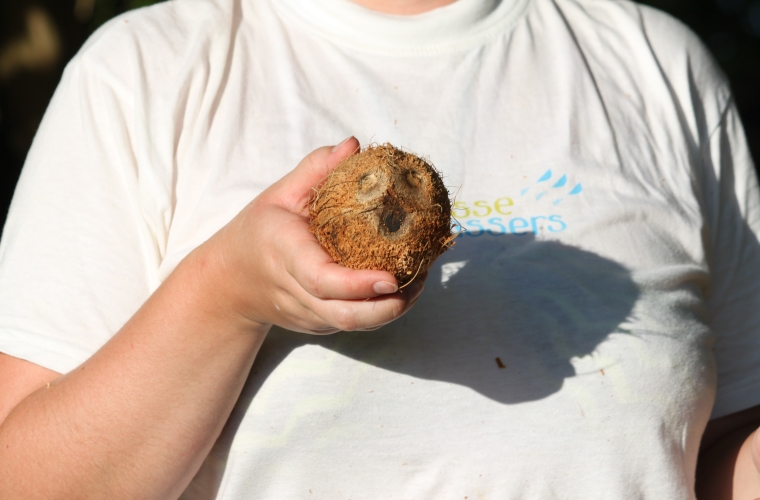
(81, 246)
(731, 202)
(733, 212)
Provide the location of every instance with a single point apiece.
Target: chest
(573, 296)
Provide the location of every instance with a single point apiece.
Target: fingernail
(337, 146)
(383, 287)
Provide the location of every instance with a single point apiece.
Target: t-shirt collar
(460, 25)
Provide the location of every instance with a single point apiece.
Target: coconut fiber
(383, 209)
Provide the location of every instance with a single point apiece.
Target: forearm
(138, 418)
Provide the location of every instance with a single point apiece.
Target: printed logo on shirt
(546, 198)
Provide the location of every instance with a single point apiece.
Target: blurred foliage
(38, 37)
(103, 10)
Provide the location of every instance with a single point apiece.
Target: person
(163, 305)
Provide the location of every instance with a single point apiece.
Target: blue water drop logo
(560, 183)
(547, 175)
(577, 189)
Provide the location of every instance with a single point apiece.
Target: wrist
(215, 284)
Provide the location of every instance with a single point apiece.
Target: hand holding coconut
(279, 274)
(197, 336)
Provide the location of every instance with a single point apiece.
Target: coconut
(383, 209)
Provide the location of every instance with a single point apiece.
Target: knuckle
(314, 284)
(310, 161)
(354, 286)
(345, 319)
(311, 323)
(397, 309)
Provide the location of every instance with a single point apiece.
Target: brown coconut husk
(383, 209)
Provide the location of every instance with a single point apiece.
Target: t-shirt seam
(40, 342)
(103, 80)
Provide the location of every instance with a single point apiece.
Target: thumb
(295, 188)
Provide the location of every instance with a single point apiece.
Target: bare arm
(137, 419)
(729, 459)
(18, 379)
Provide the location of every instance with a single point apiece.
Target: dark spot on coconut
(393, 218)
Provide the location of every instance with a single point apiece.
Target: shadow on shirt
(532, 304)
(502, 315)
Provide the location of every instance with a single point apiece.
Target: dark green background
(731, 28)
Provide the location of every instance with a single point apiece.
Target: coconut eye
(413, 178)
(392, 218)
(367, 182)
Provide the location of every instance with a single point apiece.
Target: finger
(351, 315)
(316, 273)
(372, 329)
(308, 314)
(295, 189)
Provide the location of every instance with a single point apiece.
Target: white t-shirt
(602, 303)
